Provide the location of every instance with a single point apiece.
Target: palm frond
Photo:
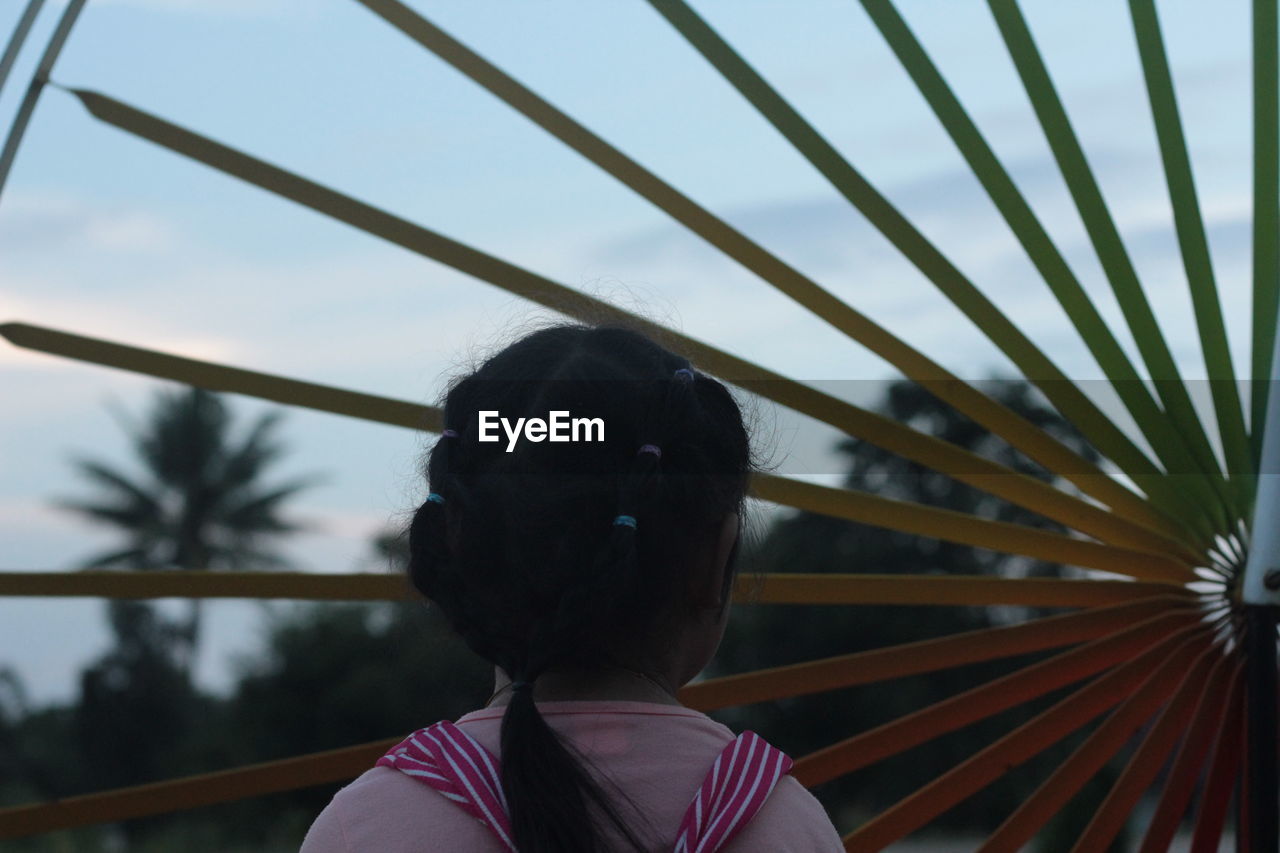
(130, 518)
(133, 557)
(260, 512)
(254, 453)
(130, 490)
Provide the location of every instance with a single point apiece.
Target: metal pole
(1260, 676)
(1260, 595)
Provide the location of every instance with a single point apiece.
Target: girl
(594, 571)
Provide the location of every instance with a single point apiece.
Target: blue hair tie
(435, 498)
(626, 520)
(448, 433)
(684, 374)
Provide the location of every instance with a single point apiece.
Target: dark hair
(527, 551)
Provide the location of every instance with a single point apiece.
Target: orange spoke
(965, 529)
(989, 764)
(179, 583)
(785, 588)
(988, 699)
(189, 792)
(907, 659)
(1101, 745)
(1223, 772)
(948, 590)
(1150, 756)
(1181, 781)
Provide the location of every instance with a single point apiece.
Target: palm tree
(200, 503)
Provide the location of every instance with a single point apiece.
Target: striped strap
(449, 760)
(744, 774)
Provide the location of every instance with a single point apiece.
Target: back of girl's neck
(614, 685)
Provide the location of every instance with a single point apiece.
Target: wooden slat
(900, 661)
(926, 590)
(1173, 564)
(1024, 742)
(1105, 741)
(22, 118)
(1180, 783)
(1179, 436)
(1266, 212)
(1037, 444)
(986, 700)
(1018, 488)
(1224, 772)
(967, 529)
(1146, 762)
(190, 792)
(1021, 219)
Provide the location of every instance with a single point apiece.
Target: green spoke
(43, 68)
(1109, 246)
(1192, 239)
(1266, 211)
(1027, 228)
(20, 32)
(1033, 363)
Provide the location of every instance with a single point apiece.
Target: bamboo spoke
(177, 583)
(1187, 764)
(929, 451)
(853, 506)
(1024, 742)
(916, 248)
(1192, 240)
(1194, 454)
(16, 39)
(1142, 769)
(966, 529)
(219, 377)
(1224, 771)
(1266, 212)
(1172, 675)
(1022, 220)
(1038, 445)
(43, 68)
(945, 590)
(987, 700)
(900, 661)
(830, 589)
(189, 792)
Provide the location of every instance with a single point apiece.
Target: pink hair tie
(650, 448)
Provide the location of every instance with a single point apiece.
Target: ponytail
(550, 795)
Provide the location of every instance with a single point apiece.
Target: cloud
(48, 222)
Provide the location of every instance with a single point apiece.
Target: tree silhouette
(199, 503)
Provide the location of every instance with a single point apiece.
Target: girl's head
(617, 548)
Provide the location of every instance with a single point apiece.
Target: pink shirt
(658, 754)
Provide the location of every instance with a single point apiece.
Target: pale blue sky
(101, 233)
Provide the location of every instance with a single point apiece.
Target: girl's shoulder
(790, 821)
(386, 810)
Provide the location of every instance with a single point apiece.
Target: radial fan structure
(1169, 650)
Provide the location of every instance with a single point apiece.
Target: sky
(105, 234)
